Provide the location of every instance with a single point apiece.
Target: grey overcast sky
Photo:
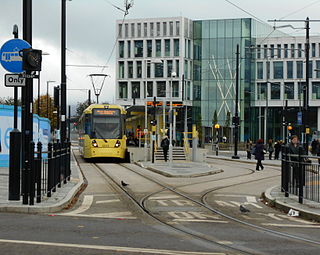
(91, 31)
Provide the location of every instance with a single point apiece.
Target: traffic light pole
(236, 114)
(306, 88)
(63, 72)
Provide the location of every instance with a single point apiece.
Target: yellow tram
(102, 132)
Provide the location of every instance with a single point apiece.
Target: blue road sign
(299, 118)
(10, 57)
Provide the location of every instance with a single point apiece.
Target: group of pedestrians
(260, 149)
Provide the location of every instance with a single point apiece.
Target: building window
(275, 91)
(188, 90)
(310, 71)
(301, 85)
(158, 70)
(130, 69)
(150, 89)
(149, 48)
(139, 69)
(292, 50)
(259, 70)
(158, 29)
(288, 90)
(289, 69)
(145, 29)
(265, 51)
(258, 51)
(139, 29)
(177, 68)
(121, 70)
(135, 86)
(158, 48)
(121, 49)
(161, 88)
(279, 51)
(189, 49)
(123, 90)
(186, 69)
(151, 29)
(268, 69)
(132, 29)
(167, 47)
(126, 30)
(299, 50)
(148, 69)
(299, 69)
(138, 49)
(164, 28)
(176, 47)
(120, 31)
(272, 51)
(313, 50)
(169, 68)
(177, 28)
(171, 28)
(315, 90)
(262, 90)
(286, 51)
(175, 88)
(129, 49)
(278, 70)
(317, 68)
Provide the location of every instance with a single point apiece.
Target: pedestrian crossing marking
(107, 201)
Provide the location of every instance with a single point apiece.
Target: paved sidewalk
(59, 199)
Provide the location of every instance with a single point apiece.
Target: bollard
(50, 170)
(38, 169)
(32, 174)
(14, 167)
(217, 149)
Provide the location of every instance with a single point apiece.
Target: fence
(49, 169)
(300, 175)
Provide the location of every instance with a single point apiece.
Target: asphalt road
(105, 221)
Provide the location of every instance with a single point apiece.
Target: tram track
(142, 203)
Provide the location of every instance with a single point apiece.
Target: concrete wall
(41, 131)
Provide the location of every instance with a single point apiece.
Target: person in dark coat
(294, 148)
(248, 148)
(165, 146)
(277, 149)
(259, 154)
(270, 148)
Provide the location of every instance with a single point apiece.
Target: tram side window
(87, 124)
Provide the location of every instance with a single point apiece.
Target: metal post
(236, 124)
(89, 97)
(27, 96)
(145, 134)
(50, 170)
(32, 173)
(38, 172)
(300, 176)
(63, 72)
(69, 122)
(306, 87)
(170, 122)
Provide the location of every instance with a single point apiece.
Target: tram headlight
(118, 143)
(94, 143)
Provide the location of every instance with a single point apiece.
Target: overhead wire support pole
(236, 115)
(63, 72)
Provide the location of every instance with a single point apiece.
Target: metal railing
(300, 175)
(49, 169)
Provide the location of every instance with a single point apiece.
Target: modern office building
(202, 53)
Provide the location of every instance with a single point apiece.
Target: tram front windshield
(106, 124)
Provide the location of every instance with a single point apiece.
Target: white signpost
(14, 80)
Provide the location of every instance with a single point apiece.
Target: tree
(81, 106)
(45, 112)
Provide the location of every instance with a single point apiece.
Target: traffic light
(235, 120)
(290, 127)
(31, 60)
(153, 122)
(217, 126)
(56, 96)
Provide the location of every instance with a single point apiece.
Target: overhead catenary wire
(307, 6)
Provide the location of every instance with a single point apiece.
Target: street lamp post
(173, 74)
(48, 97)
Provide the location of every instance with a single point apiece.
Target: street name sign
(14, 80)
(10, 57)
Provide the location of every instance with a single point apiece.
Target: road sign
(299, 118)
(14, 80)
(10, 55)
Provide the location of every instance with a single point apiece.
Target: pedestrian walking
(314, 147)
(165, 147)
(259, 154)
(294, 147)
(270, 149)
(248, 148)
(277, 149)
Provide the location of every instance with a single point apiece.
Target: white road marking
(86, 204)
(201, 215)
(162, 202)
(181, 215)
(290, 225)
(113, 215)
(182, 202)
(225, 242)
(271, 215)
(164, 197)
(108, 201)
(198, 220)
(110, 248)
(223, 203)
(251, 199)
